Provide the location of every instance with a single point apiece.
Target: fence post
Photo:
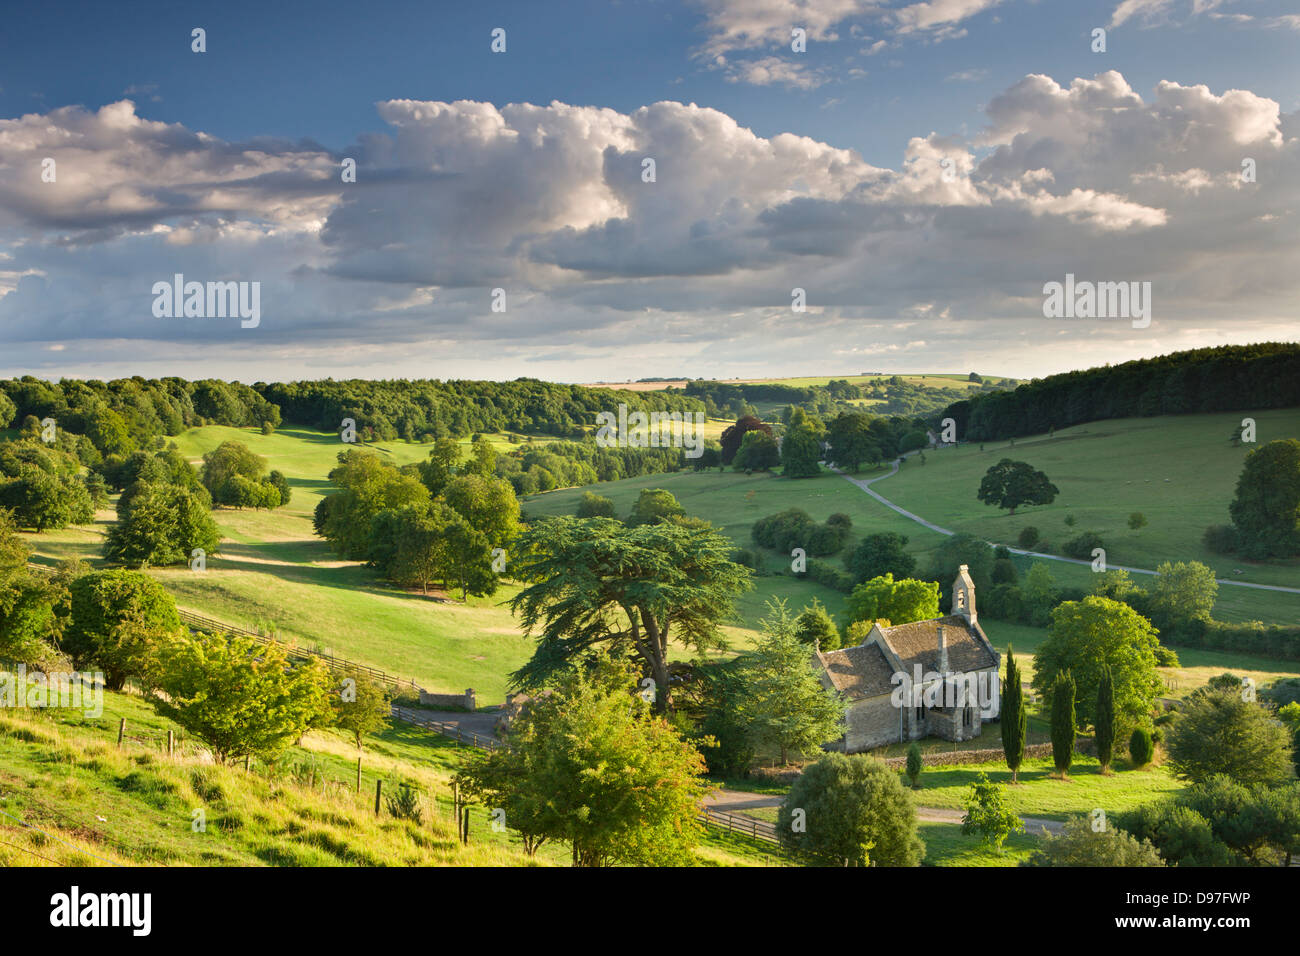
(171, 742)
(358, 773)
(379, 788)
(121, 732)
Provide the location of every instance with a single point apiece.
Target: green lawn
(1105, 471)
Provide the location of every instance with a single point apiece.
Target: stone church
(936, 678)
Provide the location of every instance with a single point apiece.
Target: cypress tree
(1063, 722)
(1013, 717)
(1104, 721)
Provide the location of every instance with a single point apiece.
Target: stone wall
(463, 701)
(870, 723)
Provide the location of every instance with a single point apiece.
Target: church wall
(872, 722)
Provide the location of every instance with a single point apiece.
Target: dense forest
(424, 410)
(101, 420)
(1226, 378)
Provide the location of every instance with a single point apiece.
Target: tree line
(1223, 378)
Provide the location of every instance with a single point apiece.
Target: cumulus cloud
(601, 263)
(741, 28)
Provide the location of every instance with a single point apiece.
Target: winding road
(865, 485)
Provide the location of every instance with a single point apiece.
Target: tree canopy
(1010, 484)
(593, 582)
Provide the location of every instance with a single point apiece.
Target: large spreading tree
(1010, 484)
(1089, 637)
(1266, 509)
(733, 435)
(595, 582)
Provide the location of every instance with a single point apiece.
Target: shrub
(840, 520)
(1141, 748)
(914, 764)
(1004, 571)
(1028, 537)
(856, 812)
(1082, 546)
(403, 803)
(1137, 520)
(878, 554)
(1221, 539)
(595, 506)
(1081, 845)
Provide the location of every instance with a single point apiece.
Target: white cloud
(548, 202)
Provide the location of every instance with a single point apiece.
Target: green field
(273, 573)
(1179, 471)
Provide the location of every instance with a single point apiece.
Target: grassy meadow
(273, 573)
(88, 803)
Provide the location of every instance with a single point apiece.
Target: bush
(1165, 656)
(1082, 546)
(840, 520)
(878, 554)
(1004, 603)
(1141, 748)
(595, 506)
(856, 811)
(403, 803)
(1137, 520)
(1028, 537)
(1004, 571)
(1081, 845)
(1221, 539)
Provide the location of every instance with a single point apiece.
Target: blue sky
(1129, 177)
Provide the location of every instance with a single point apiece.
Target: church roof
(859, 671)
(918, 643)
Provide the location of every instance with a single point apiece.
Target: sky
(837, 186)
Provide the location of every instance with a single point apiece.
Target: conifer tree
(1013, 717)
(1063, 722)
